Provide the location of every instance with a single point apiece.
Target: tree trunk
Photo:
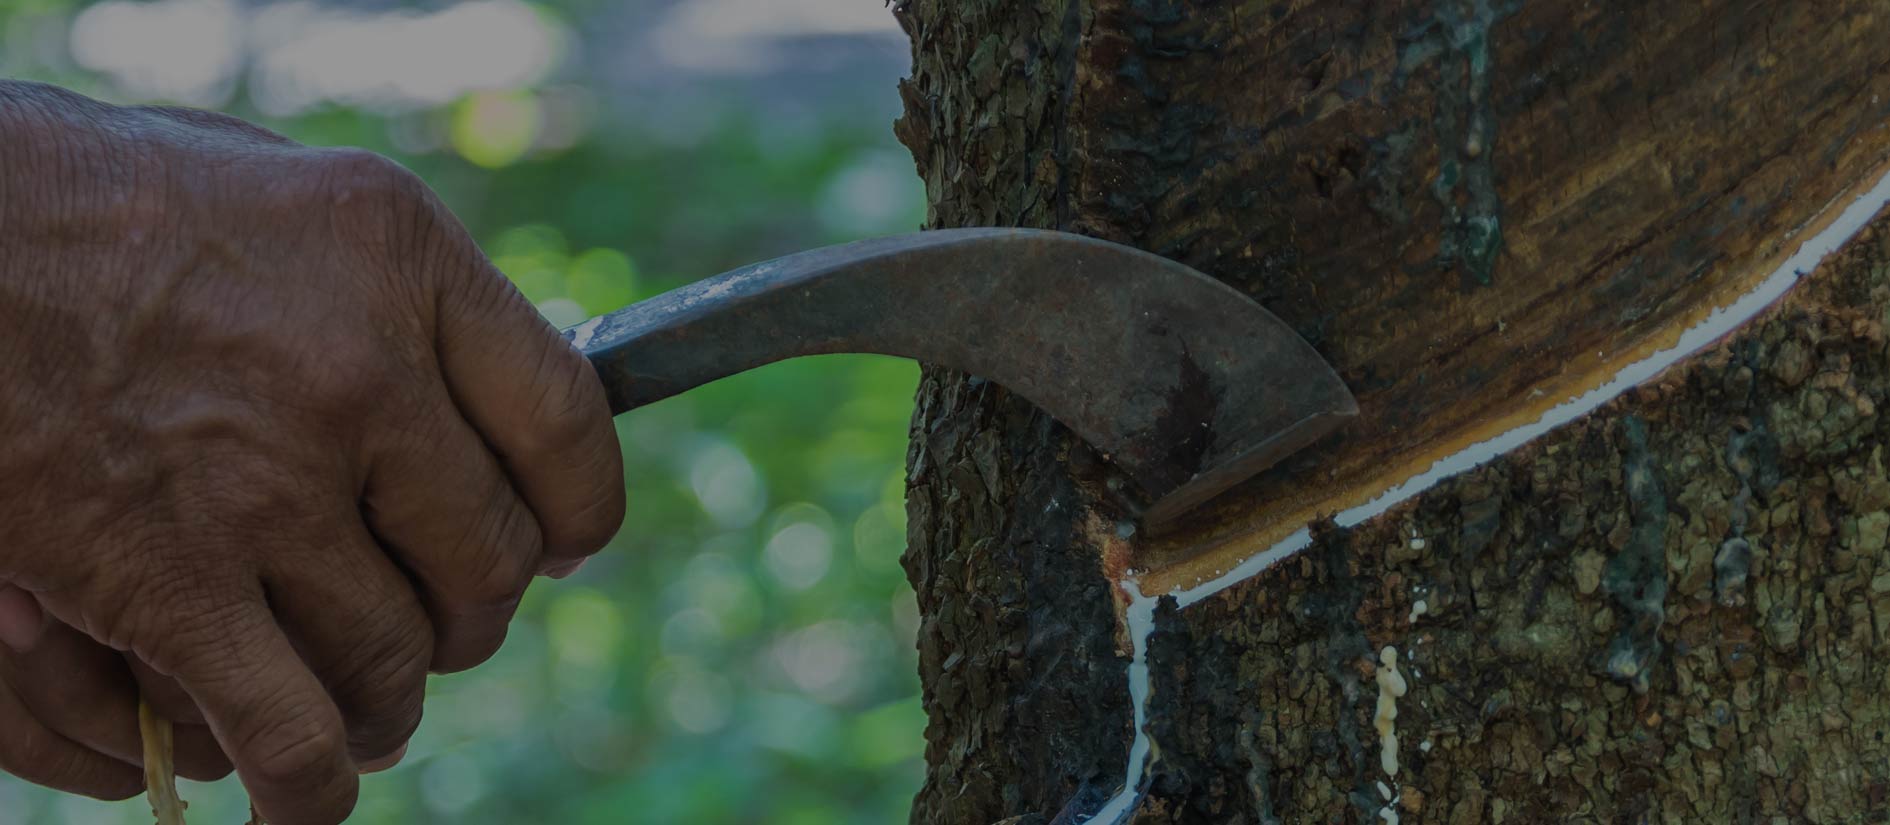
(1677, 606)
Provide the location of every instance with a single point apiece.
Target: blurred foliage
(743, 652)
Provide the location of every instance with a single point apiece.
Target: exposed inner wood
(1342, 161)
(1180, 562)
(1475, 210)
(1675, 609)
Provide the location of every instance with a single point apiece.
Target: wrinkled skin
(276, 440)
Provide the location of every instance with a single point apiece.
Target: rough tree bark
(1676, 608)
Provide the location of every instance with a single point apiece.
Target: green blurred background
(743, 652)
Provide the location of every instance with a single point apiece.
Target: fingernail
(22, 621)
(385, 762)
(566, 570)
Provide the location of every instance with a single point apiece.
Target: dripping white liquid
(1716, 325)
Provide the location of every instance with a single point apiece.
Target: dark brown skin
(276, 440)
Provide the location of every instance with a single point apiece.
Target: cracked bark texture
(1674, 610)
(1458, 202)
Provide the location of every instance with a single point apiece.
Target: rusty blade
(1183, 383)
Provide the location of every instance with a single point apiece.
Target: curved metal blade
(1182, 382)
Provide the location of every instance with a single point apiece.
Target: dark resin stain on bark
(1680, 613)
(1459, 203)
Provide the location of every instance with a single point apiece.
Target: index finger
(270, 714)
(539, 405)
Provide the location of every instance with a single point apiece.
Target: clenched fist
(275, 440)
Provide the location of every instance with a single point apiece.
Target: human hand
(69, 706)
(272, 424)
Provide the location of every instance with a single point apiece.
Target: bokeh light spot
(716, 583)
(799, 554)
(879, 538)
(691, 631)
(495, 129)
(726, 485)
(698, 702)
(876, 194)
(602, 280)
(586, 632)
(562, 312)
(824, 660)
(451, 784)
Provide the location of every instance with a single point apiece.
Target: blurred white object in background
(306, 54)
(675, 69)
(301, 54)
(183, 50)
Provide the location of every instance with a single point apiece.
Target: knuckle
(498, 591)
(227, 507)
(350, 171)
(294, 749)
(399, 660)
(195, 642)
(166, 616)
(598, 516)
(349, 374)
(508, 548)
(509, 545)
(391, 688)
(376, 205)
(570, 410)
(502, 558)
(402, 242)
